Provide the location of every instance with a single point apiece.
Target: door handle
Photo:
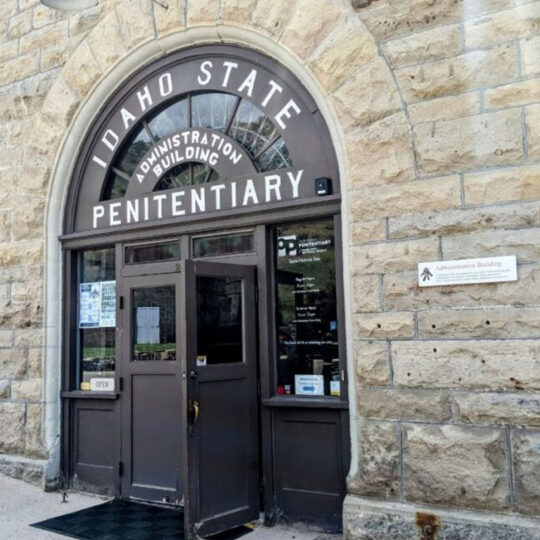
(194, 410)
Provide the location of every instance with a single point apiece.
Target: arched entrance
(204, 338)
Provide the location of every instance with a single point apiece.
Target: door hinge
(120, 302)
(121, 384)
(120, 468)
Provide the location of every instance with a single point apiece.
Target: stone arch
(334, 57)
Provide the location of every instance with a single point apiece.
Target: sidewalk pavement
(22, 504)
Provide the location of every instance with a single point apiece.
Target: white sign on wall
(467, 271)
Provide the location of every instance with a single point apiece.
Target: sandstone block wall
(438, 111)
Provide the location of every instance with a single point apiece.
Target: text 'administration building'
(228, 242)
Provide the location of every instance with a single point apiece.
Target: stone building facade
(434, 111)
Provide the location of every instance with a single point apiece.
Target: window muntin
(229, 114)
(96, 309)
(306, 309)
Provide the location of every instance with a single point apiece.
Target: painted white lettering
(158, 171)
(146, 212)
(198, 201)
(99, 162)
(204, 69)
(195, 137)
(190, 152)
(275, 87)
(228, 67)
(213, 159)
(140, 178)
(204, 139)
(295, 181)
(291, 104)
(249, 82)
(217, 191)
(235, 157)
(99, 212)
(113, 214)
(250, 193)
(127, 117)
(110, 139)
(132, 211)
(272, 182)
(227, 148)
(165, 84)
(233, 195)
(145, 99)
(159, 198)
(177, 203)
(145, 167)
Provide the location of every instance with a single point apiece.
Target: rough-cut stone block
(106, 42)
(12, 418)
(458, 466)
(136, 21)
(342, 54)
(16, 314)
(310, 23)
(33, 444)
(526, 458)
(388, 257)
(35, 359)
(446, 108)
(202, 12)
(365, 293)
(533, 131)
(4, 389)
(237, 12)
(371, 361)
(521, 409)
(29, 390)
(61, 102)
(523, 243)
(9, 50)
(512, 184)
(82, 71)
(494, 322)
(20, 24)
(486, 364)
(271, 17)
(468, 71)
(530, 55)
(58, 54)
(401, 403)
(522, 21)
(29, 337)
(406, 197)
(6, 338)
(367, 231)
(510, 216)
(8, 8)
(83, 21)
(469, 143)
(511, 95)
(12, 364)
(369, 96)
(43, 15)
(378, 461)
(396, 19)
(401, 292)
(391, 324)
(170, 16)
(24, 98)
(28, 220)
(45, 36)
(424, 46)
(20, 253)
(18, 68)
(5, 225)
(381, 153)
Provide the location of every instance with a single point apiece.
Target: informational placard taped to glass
(309, 385)
(97, 304)
(467, 271)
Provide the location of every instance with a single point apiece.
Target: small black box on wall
(323, 186)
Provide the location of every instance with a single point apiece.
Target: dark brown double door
(189, 400)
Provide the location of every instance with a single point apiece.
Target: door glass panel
(223, 244)
(96, 315)
(307, 327)
(154, 324)
(164, 251)
(219, 320)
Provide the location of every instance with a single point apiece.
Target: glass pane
(212, 110)
(226, 244)
(308, 359)
(177, 177)
(154, 323)
(276, 157)
(129, 158)
(219, 320)
(165, 251)
(251, 128)
(96, 311)
(200, 173)
(172, 119)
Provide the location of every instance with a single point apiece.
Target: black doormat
(126, 520)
